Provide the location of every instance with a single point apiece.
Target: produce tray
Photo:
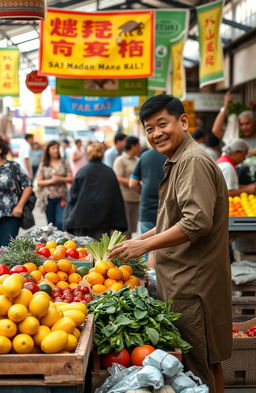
(49, 369)
(239, 370)
(242, 224)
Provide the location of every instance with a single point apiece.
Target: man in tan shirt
(191, 239)
(123, 167)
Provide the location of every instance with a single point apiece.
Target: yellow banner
(178, 76)
(211, 65)
(99, 45)
(9, 68)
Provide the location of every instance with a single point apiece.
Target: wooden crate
(239, 370)
(244, 302)
(98, 376)
(49, 369)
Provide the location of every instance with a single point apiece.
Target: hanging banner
(9, 68)
(211, 65)
(90, 106)
(178, 75)
(97, 45)
(102, 87)
(170, 26)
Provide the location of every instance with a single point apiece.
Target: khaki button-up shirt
(193, 195)
(124, 166)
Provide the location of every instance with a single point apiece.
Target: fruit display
(242, 206)
(251, 332)
(60, 249)
(31, 323)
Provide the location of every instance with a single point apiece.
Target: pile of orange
(62, 273)
(242, 206)
(105, 275)
(60, 251)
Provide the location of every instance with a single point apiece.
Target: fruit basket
(49, 369)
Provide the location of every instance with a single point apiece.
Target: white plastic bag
(164, 361)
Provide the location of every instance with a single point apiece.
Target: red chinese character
(7, 85)
(63, 47)
(208, 21)
(7, 58)
(209, 35)
(7, 76)
(65, 28)
(103, 29)
(87, 28)
(209, 60)
(96, 48)
(7, 67)
(134, 48)
(209, 46)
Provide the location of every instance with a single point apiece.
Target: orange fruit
(62, 284)
(130, 283)
(73, 285)
(70, 244)
(81, 249)
(36, 274)
(62, 276)
(116, 286)
(23, 343)
(30, 266)
(135, 280)
(101, 267)
(59, 253)
(51, 244)
(72, 269)
(52, 251)
(115, 273)
(108, 282)
(92, 270)
(52, 277)
(17, 312)
(94, 278)
(64, 265)
(74, 277)
(127, 267)
(126, 274)
(7, 328)
(5, 345)
(50, 266)
(110, 264)
(99, 288)
(41, 269)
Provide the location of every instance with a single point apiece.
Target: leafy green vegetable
(100, 249)
(20, 250)
(128, 318)
(139, 265)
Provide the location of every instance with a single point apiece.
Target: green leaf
(111, 310)
(109, 330)
(153, 335)
(138, 314)
(123, 320)
(141, 291)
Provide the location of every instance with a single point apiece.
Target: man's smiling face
(164, 132)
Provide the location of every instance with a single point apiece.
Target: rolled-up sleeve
(196, 197)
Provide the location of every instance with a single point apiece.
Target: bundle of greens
(100, 250)
(129, 318)
(20, 250)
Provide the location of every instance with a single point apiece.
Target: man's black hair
(157, 103)
(28, 136)
(119, 137)
(131, 141)
(198, 134)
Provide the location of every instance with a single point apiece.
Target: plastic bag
(164, 361)
(180, 382)
(196, 389)
(117, 373)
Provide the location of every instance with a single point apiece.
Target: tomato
(71, 252)
(139, 353)
(39, 245)
(88, 297)
(19, 269)
(82, 254)
(44, 251)
(31, 286)
(122, 357)
(59, 253)
(4, 270)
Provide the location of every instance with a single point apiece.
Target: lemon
(23, 343)
(29, 325)
(66, 324)
(23, 298)
(17, 312)
(5, 345)
(74, 306)
(76, 333)
(71, 344)
(41, 334)
(7, 328)
(54, 342)
(52, 316)
(76, 315)
(5, 304)
(39, 305)
(3, 277)
(12, 286)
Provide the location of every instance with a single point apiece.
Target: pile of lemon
(105, 275)
(31, 323)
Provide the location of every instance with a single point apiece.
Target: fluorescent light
(29, 45)
(20, 38)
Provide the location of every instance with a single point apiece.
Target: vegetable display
(128, 318)
(19, 251)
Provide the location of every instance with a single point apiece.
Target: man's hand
(128, 249)
(227, 99)
(17, 211)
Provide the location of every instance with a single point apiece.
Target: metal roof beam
(236, 25)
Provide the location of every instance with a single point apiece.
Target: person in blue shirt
(114, 151)
(145, 180)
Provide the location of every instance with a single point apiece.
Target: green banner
(102, 87)
(170, 26)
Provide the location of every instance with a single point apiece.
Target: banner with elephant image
(97, 45)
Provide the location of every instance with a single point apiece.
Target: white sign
(205, 102)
